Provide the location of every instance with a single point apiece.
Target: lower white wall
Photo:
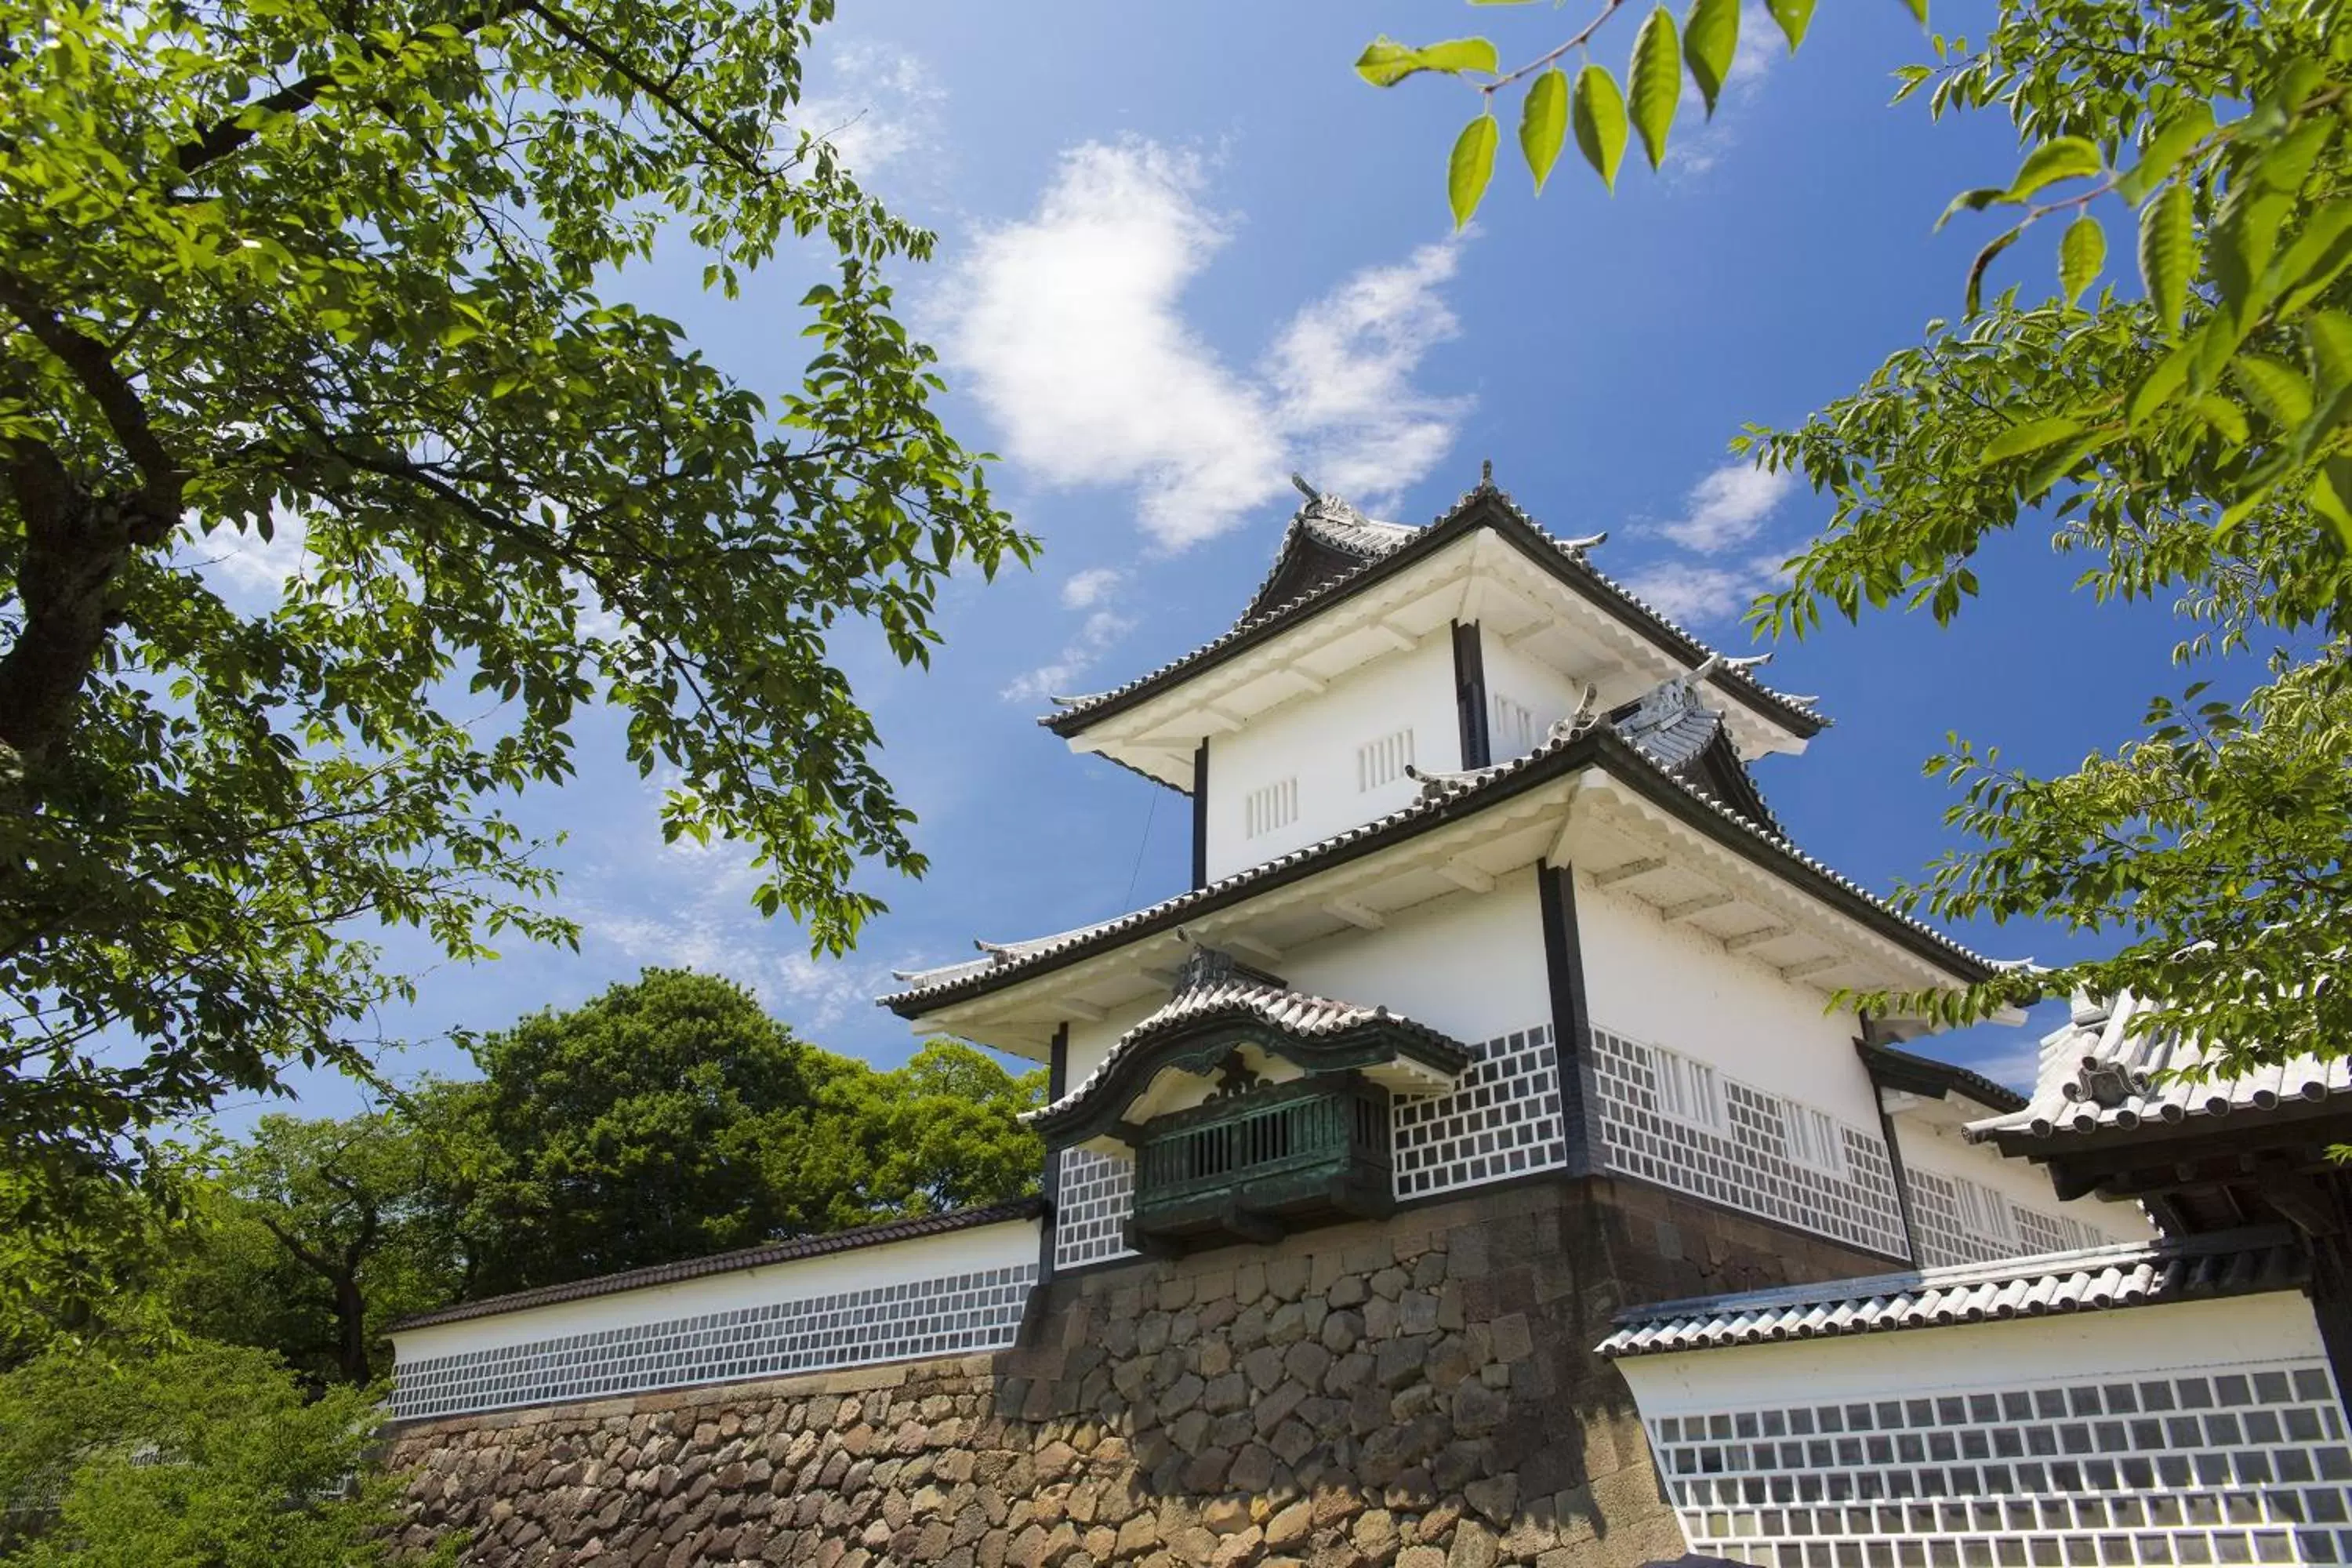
(1937, 1149)
(943, 1294)
(2195, 1432)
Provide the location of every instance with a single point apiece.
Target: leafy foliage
(673, 1117)
(333, 275)
(210, 1457)
(2190, 439)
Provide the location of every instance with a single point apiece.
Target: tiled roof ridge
(912, 1228)
(1439, 794)
(1278, 1006)
(2123, 1274)
(2102, 1072)
(1571, 549)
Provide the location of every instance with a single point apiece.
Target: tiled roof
(2133, 1274)
(730, 1262)
(1892, 1069)
(1565, 557)
(1226, 989)
(2101, 1074)
(1443, 797)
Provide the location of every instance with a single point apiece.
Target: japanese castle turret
(1500, 1007)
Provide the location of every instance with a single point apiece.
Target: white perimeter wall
(1314, 737)
(1007, 1245)
(1469, 964)
(2076, 1347)
(1676, 987)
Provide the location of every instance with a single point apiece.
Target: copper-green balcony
(1254, 1165)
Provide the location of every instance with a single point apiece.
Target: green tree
(317, 1234)
(209, 1456)
(672, 1118)
(636, 1129)
(2190, 439)
(941, 1132)
(342, 275)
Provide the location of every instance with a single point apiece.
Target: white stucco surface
(1470, 964)
(1547, 693)
(1007, 1245)
(1314, 738)
(1674, 986)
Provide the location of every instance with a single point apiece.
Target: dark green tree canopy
(356, 271)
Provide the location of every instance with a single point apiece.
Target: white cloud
(1070, 328)
(1101, 629)
(1727, 508)
(1695, 592)
(246, 567)
(1087, 588)
(692, 909)
(877, 106)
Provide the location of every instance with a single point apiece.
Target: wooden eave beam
(1670, 913)
(1355, 914)
(1756, 937)
(1629, 870)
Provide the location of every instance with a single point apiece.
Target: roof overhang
(1389, 1051)
(1593, 803)
(1483, 563)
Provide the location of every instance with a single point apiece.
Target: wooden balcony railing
(1256, 1164)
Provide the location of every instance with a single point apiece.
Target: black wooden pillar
(1201, 814)
(1470, 694)
(1571, 1018)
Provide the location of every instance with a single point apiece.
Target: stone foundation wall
(1419, 1393)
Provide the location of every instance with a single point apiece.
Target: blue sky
(1184, 250)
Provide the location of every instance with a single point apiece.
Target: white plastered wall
(2075, 1347)
(1933, 1143)
(1676, 986)
(1314, 739)
(1007, 1245)
(1470, 964)
(1547, 694)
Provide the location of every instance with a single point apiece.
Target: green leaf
(2277, 389)
(1598, 113)
(2329, 333)
(2081, 254)
(2056, 464)
(1977, 268)
(2161, 384)
(2168, 253)
(1794, 16)
(2316, 259)
(1472, 165)
(2061, 158)
(1385, 62)
(2030, 436)
(1543, 123)
(1918, 9)
(2243, 242)
(2223, 418)
(2170, 142)
(1710, 41)
(2331, 496)
(1656, 80)
(1974, 200)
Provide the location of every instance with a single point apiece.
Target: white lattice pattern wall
(1951, 1230)
(1502, 1119)
(1746, 1161)
(951, 1315)
(2242, 1464)
(1093, 1202)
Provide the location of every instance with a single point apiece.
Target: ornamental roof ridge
(1437, 800)
(2106, 1069)
(1573, 552)
(1215, 985)
(2124, 1274)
